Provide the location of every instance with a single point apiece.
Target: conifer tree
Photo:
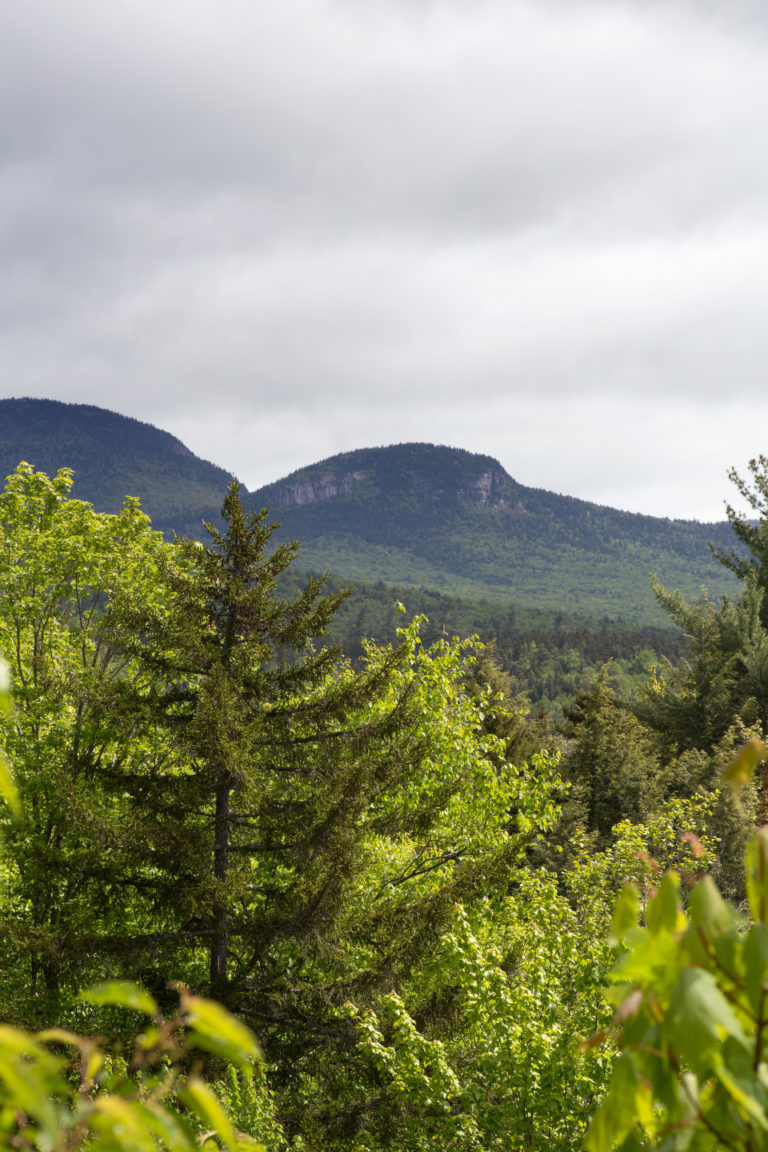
(752, 532)
(609, 760)
(316, 824)
(258, 822)
(692, 703)
(722, 676)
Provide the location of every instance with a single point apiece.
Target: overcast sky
(533, 229)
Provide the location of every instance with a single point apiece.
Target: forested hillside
(112, 457)
(412, 516)
(424, 516)
(393, 871)
(547, 654)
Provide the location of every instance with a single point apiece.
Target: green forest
(258, 888)
(427, 516)
(549, 656)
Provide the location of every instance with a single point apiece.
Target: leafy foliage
(383, 865)
(692, 1017)
(509, 1073)
(66, 573)
(143, 1100)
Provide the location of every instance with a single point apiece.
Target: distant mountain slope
(409, 516)
(113, 457)
(443, 518)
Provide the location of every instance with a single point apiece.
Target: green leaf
(125, 1121)
(13, 1040)
(649, 959)
(736, 1074)
(739, 772)
(757, 875)
(709, 911)
(218, 1031)
(29, 1091)
(663, 913)
(625, 914)
(755, 956)
(199, 1098)
(121, 993)
(615, 1117)
(168, 1127)
(700, 1019)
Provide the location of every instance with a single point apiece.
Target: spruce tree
(609, 761)
(258, 819)
(751, 532)
(721, 677)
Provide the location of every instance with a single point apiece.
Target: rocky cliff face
(316, 488)
(481, 484)
(493, 489)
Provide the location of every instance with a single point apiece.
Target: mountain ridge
(415, 515)
(494, 478)
(340, 475)
(424, 515)
(112, 456)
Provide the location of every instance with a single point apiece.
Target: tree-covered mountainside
(412, 516)
(549, 655)
(112, 457)
(425, 516)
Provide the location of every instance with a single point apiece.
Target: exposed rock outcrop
(317, 488)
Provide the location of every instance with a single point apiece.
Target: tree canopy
(387, 867)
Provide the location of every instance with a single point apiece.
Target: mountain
(409, 516)
(422, 515)
(113, 457)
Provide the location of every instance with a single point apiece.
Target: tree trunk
(219, 940)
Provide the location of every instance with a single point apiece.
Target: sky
(529, 228)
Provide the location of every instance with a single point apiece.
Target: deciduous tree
(66, 574)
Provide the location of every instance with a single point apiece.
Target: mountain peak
(430, 473)
(112, 456)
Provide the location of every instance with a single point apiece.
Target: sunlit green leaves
(692, 1072)
(95, 1103)
(66, 574)
(216, 1030)
(122, 994)
(757, 875)
(510, 1072)
(625, 914)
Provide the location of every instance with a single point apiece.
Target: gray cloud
(285, 230)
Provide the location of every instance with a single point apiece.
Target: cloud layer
(533, 229)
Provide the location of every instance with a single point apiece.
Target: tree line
(393, 871)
